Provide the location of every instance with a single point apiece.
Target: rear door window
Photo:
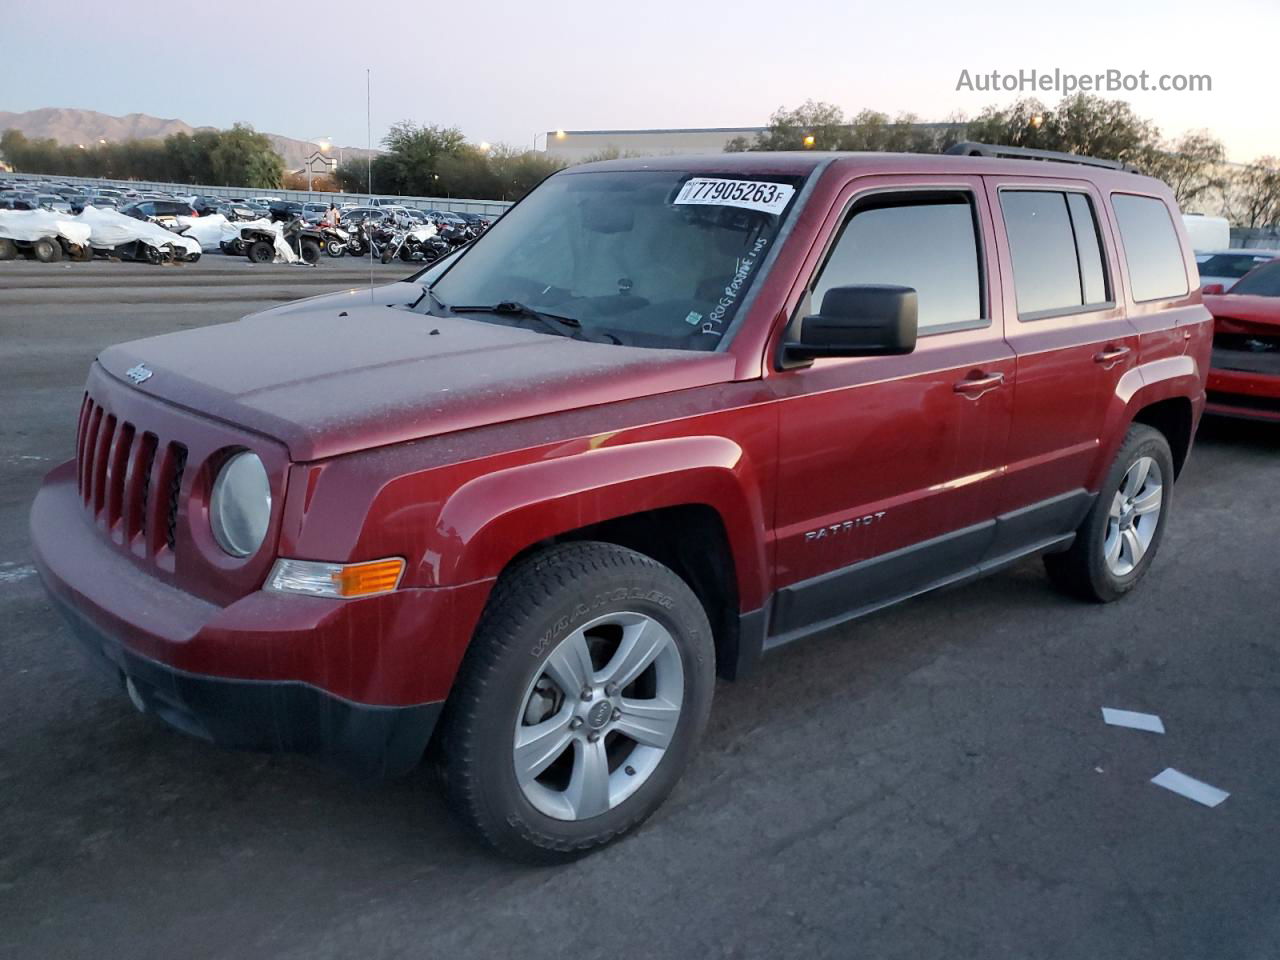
(1058, 267)
(1151, 247)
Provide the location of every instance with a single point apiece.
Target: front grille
(1246, 352)
(175, 490)
(120, 469)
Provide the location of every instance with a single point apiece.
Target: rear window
(1151, 247)
(1057, 257)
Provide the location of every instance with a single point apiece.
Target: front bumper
(366, 741)
(357, 683)
(1249, 394)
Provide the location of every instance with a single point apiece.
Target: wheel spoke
(1134, 543)
(1117, 506)
(1113, 545)
(1149, 502)
(538, 746)
(570, 665)
(649, 722)
(588, 790)
(641, 644)
(1137, 477)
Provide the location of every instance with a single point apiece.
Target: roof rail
(969, 148)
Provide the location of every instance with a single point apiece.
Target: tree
(235, 157)
(823, 126)
(791, 129)
(1080, 124)
(1192, 165)
(1253, 194)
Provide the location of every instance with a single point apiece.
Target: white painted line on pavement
(1135, 721)
(1189, 787)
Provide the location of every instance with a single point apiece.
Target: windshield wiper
(564, 326)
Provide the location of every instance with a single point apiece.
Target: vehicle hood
(1244, 314)
(346, 378)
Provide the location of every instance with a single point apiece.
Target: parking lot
(934, 781)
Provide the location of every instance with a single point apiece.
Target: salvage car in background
(1225, 267)
(1245, 377)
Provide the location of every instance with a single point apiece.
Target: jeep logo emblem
(599, 715)
(138, 374)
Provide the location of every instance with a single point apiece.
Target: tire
(309, 250)
(261, 251)
(193, 258)
(334, 248)
(406, 255)
(154, 256)
(386, 254)
(47, 250)
(81, 252)
(1118, 540)
(8, 249)
(542, 611)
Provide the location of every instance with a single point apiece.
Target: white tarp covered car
(45, 234)
(141, 239)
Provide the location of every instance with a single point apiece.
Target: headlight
(241, 505)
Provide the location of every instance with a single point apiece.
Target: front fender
(491, 518)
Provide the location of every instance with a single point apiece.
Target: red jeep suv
(665, 416)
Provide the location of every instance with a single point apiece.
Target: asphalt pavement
(934, 781)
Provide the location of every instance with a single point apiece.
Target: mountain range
(70, 125)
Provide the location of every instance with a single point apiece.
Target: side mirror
(1212, 289)
(861, 320)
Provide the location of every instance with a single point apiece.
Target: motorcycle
(333, 240)
(415, 243)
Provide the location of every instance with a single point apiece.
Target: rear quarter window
(1151, 247)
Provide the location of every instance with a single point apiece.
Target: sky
(509, 71)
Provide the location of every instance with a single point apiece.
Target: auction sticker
(748, 194)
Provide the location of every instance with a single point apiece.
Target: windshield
(1262, 282)
(1231, 264)
(646, 258)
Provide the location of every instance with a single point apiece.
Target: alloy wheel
(597, 718)
(1133, 517)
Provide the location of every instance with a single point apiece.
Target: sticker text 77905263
(747, 194)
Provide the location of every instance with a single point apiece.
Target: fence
(491, 208)
(1267, 238)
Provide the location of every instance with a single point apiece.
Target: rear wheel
(47, 250)
(81, 252)
(309, 250)
(580, 702)
(1117, 542)
(261, 251)
(8, 249)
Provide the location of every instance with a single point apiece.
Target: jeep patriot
(665, 416)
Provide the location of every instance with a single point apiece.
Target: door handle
(1110, 355)
(974, 387)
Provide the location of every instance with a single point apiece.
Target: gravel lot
(935, 781)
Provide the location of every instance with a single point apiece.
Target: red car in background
(1244, 380)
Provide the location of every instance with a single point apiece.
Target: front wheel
(309, 250)
(335, 248)
(261, 251)
(1118, 539)
(582, 698)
